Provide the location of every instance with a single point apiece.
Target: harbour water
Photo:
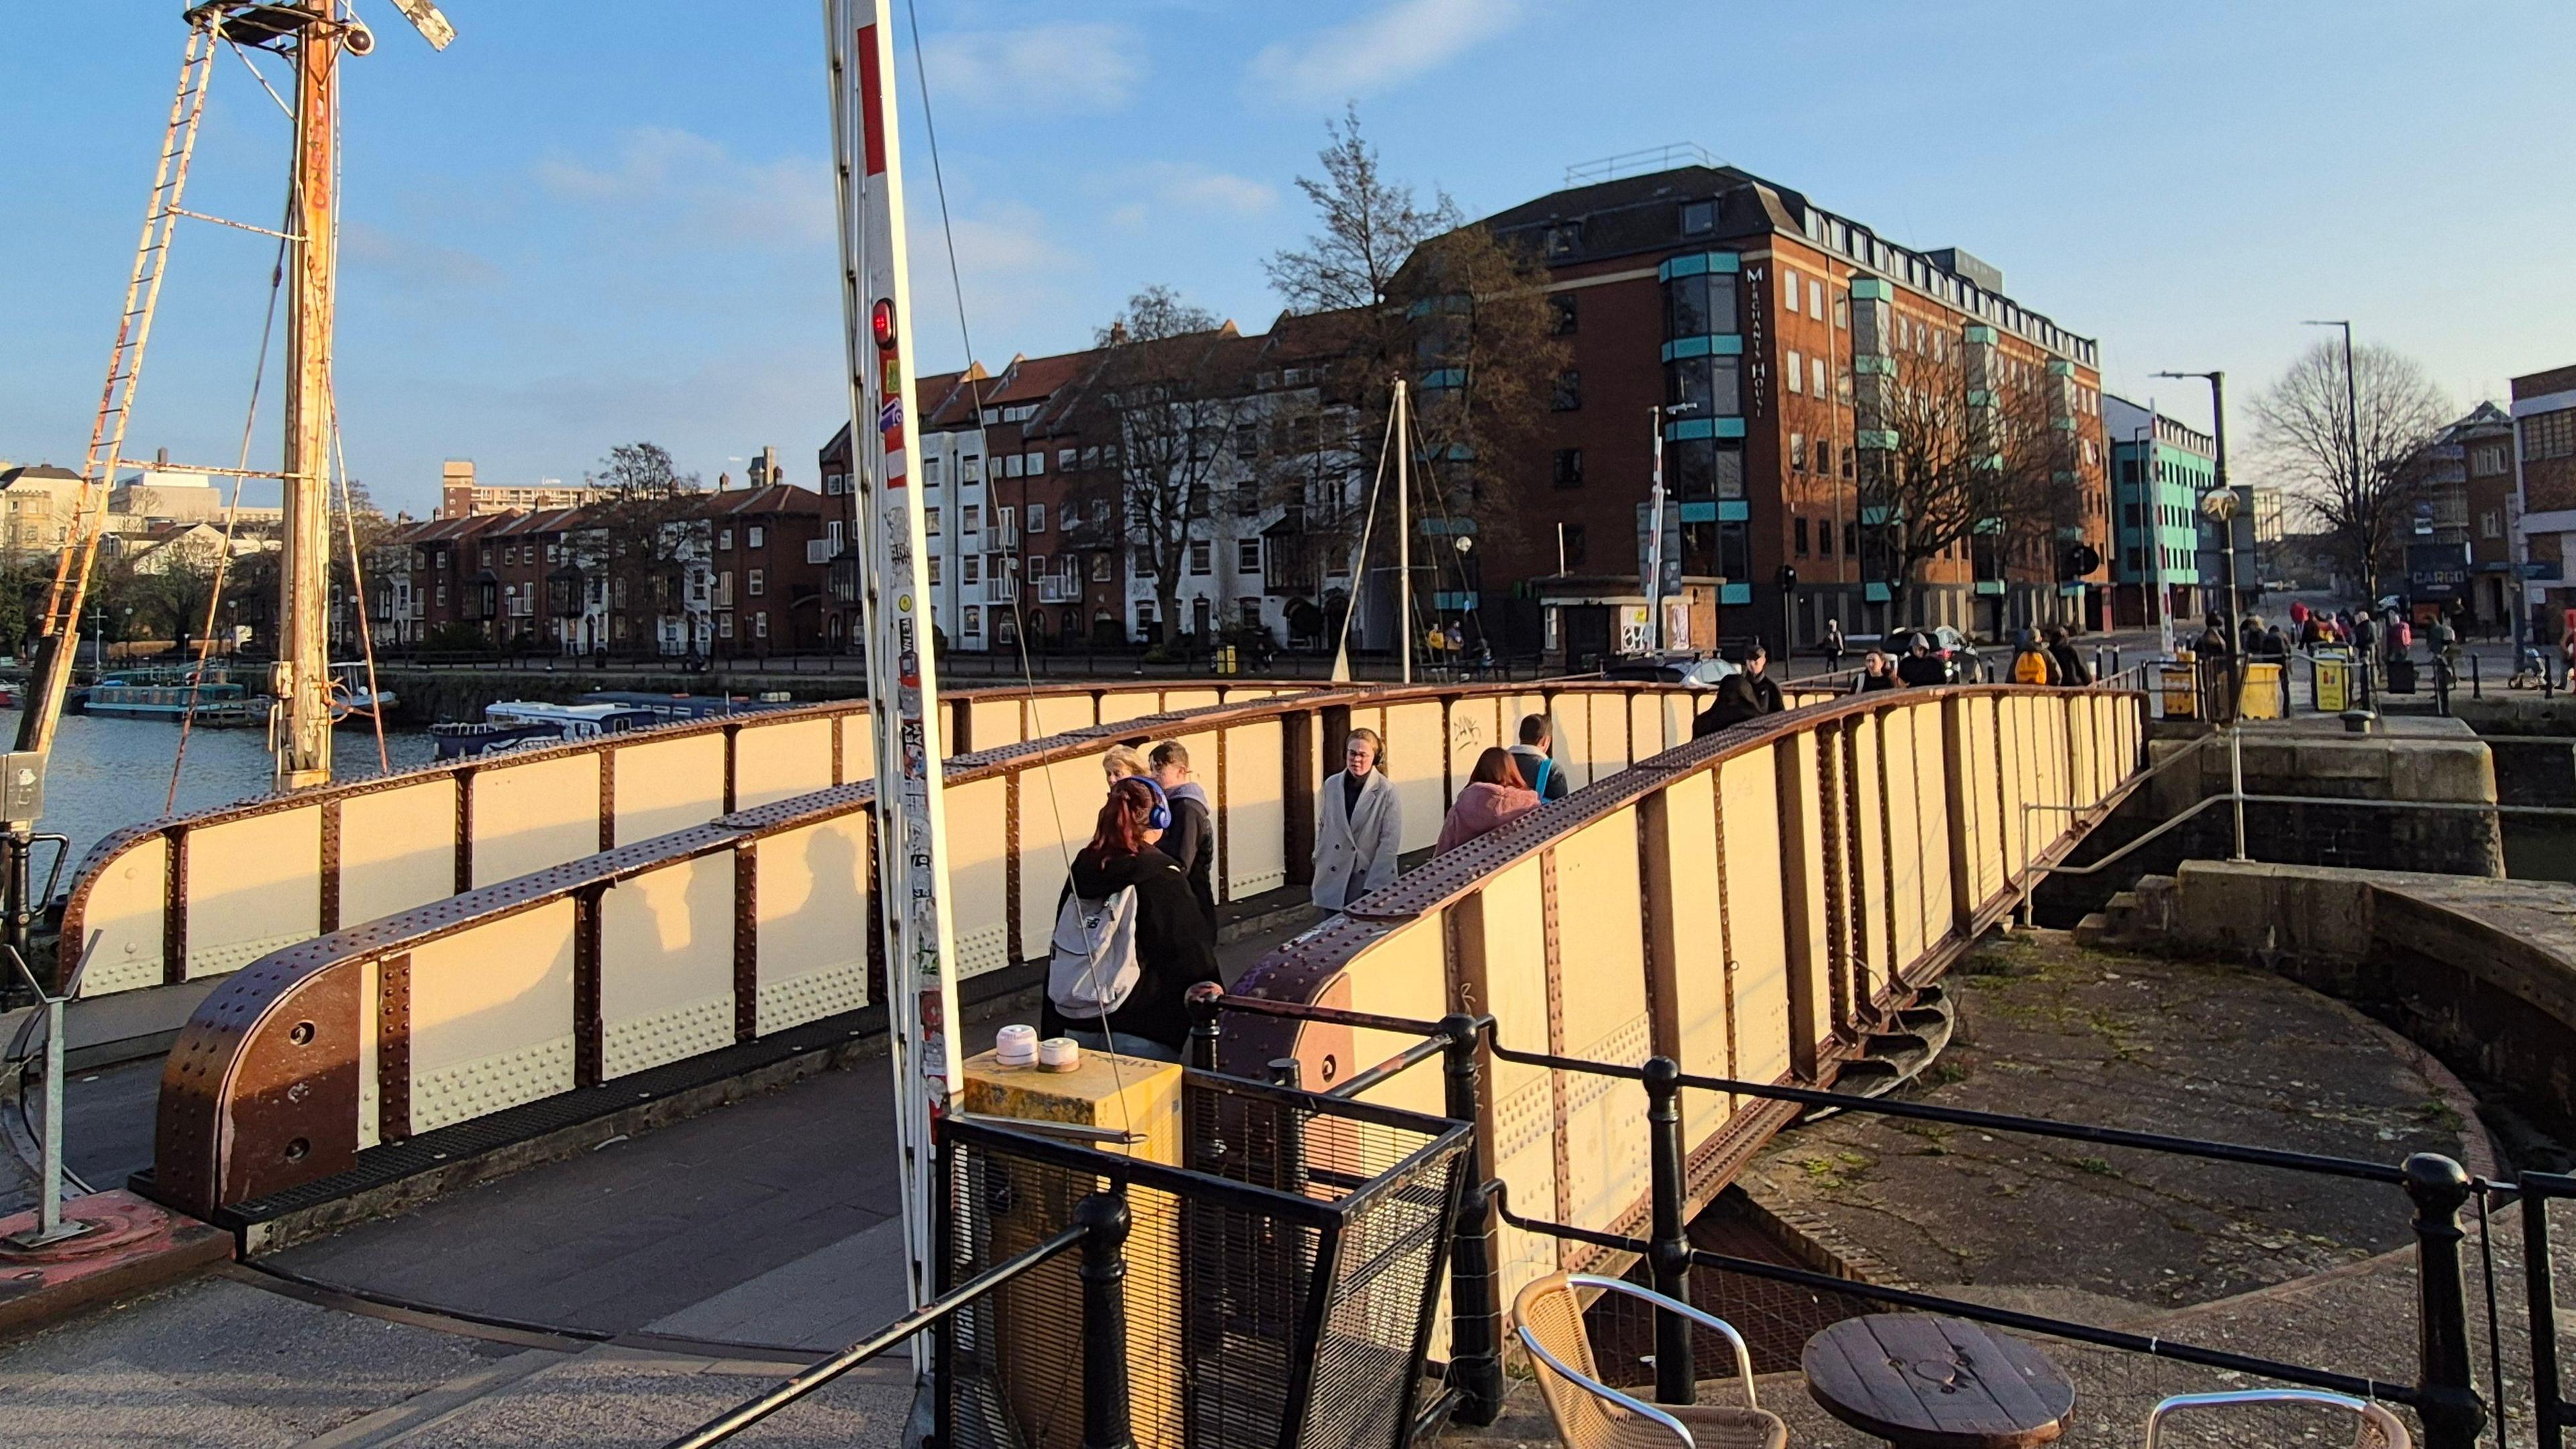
(107, 774)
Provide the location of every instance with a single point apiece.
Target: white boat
(525, 724)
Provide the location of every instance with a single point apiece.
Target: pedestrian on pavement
(1877, 671)
(2216, 663)
(1359, 826)
(2032, 663)
(1833, 646)
(2071, 668)
(1191, 840)
(1920, 665)
(1744, 695)
(1129, 939)
(1495, 795)
(1534, 758)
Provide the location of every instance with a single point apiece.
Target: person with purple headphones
(1130, 938)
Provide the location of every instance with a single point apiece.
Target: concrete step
(2093, 931)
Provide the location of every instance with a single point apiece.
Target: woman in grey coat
(1359, 827)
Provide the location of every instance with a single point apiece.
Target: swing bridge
(388, 990)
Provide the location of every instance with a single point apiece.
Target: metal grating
(1280, 1287)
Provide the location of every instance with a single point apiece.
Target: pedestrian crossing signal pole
(902, 670)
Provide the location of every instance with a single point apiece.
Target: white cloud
(670, 180)
(1387, 47)
(1046, 68)
(1188, 184)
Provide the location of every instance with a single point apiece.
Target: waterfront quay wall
(2405, 762)
(2481, 972)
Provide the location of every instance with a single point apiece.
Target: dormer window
(1564, 238)
(1698, 217)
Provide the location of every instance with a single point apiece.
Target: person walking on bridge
(1494, 797)
(1359, 826)
(1191, 842)
(1534, 758)
(1746, 694)
(1129, 938)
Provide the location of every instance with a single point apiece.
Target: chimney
(161, 458)
(723, 481)
(1117, 333)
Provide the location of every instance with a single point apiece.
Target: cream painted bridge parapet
(201, 895)
(458, 1010)
(1750, 906)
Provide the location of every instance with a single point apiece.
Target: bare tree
(1389, 287)
(639, 537)
(1973, 457)
(2304, 432)
(1171, 393)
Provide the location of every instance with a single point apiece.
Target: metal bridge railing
(2444, 1395)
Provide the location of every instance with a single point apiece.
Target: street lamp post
(2218, 484)
(1655, 530)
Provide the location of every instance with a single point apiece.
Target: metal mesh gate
(1280, 1284)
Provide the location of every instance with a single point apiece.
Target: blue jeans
(1124, 1043)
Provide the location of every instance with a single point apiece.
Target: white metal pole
(1403, 529)
(902, 668)
(1655, 541)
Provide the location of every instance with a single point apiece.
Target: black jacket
(1192, 842)
(1922, 669)
(1175, 945)
(1527, 758)
(1740, 697)
(2071, 668)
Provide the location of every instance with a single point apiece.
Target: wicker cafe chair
(2379, 1429)
(1590, 1414)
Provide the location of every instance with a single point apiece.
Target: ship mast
(302, 676)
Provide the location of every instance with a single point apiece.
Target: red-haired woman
(1495, 795)
(1129, 937)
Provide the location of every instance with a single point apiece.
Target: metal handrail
(928, 1315)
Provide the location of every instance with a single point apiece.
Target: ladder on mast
(59, 628)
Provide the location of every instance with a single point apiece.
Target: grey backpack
(1092, 967)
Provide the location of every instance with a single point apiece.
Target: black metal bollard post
(2450, 1406)
(1202, 1002)
(1675, 1383)
(2477, 679)
(2541, 1293)
(1284, 1072)
(1105, 1221)
(1475, 1310)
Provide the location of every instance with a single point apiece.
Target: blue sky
(588, 223)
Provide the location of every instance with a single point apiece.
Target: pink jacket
(1482, 808)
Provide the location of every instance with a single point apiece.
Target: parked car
(1688, 670)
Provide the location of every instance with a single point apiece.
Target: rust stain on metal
(1224, 835)
(328, 906)
(608, 799)
(1011, 930)
(393, 1048)
(174, 907)
(732, 754)
(1829, 837)
(464, 831)
(746, 941)
(589, 1013)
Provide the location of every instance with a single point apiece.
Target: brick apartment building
(1770, 321)
(1770, 330)
(2485, 437)
(2544, 421)
(752, 565)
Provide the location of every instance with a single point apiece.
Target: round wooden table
(1920, 1381)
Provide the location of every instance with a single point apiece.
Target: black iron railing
(2444, 1394)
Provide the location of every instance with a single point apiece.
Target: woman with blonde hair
(1359, 826)
(1494, 797)
(1124, 762)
